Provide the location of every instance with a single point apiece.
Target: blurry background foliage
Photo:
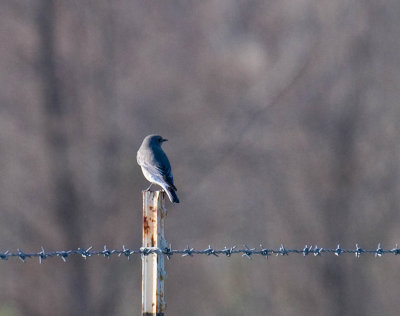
(283, 121)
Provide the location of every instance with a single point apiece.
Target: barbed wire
(190, 252)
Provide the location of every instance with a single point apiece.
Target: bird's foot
(148, 189)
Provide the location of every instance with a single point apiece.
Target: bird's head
(154, 140)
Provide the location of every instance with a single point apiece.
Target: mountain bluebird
(155, 165)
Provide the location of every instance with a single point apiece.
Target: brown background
(283, 121)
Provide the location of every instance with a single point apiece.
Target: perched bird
(155, 165)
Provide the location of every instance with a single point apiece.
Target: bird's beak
(164, 140)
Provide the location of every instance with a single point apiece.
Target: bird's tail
(171, 194)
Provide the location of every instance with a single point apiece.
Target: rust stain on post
(153, 273)
(146, 227)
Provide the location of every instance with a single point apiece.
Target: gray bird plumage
(155, 165)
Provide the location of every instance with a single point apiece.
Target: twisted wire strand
(190, 252)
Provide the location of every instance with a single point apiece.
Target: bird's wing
(163, 172)
(159, 166)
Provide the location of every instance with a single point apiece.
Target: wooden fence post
(153, 273)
